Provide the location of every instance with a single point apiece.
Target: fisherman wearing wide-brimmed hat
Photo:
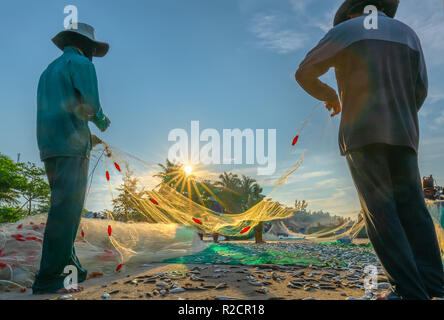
(382, 81)
(67, 99)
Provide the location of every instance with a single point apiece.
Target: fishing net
(148, 216)
(154, 213)
(130, 245)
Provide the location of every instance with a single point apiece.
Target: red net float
(20, 239)
(108, 251)
(1, 252)
(20, 226)
(245, 229)
(197, 221)
(2, 265)
(119, 267)
(110, 231)
(16, 236)
(295, 140)
(82, 233)
(107, 175)
(154, 201)
(117, 166)
(22, 290)
(31, 238)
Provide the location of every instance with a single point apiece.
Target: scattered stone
(221, 285)
(194, 278)
(222, 298)
(114, 292)
(263, 290)
(256, 283)
(161, 284)
(384, 286)
(177, 290)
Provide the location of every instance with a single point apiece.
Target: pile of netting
(103, 246)
(351, 230)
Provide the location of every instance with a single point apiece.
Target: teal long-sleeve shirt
(67, 98)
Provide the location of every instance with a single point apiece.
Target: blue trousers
(398, 223)
(67, 178)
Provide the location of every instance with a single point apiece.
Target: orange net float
(244, 230)
(295, 140)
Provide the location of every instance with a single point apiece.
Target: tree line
(24, 190)
(231, 193)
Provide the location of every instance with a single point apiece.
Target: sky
(228, 64)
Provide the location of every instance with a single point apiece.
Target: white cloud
(328, 183)
(435, 97)
(427, 19)
(300, 5)
(267, 28)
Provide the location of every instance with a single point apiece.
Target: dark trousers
(67, 178)
(398, 223)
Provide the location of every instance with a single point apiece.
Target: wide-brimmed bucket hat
(389, 6)
(80, 32)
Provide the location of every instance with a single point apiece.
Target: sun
(188, 170)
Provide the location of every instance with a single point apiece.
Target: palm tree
(229, 181)
(168, 172)
(174, 176)
(229, 189)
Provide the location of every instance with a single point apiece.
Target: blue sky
(228, 64)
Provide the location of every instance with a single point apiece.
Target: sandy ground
(213, 281)
(123, 286)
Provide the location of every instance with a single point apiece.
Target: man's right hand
(95, 140)
(335, 106)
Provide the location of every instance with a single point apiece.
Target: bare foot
(72, 290)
